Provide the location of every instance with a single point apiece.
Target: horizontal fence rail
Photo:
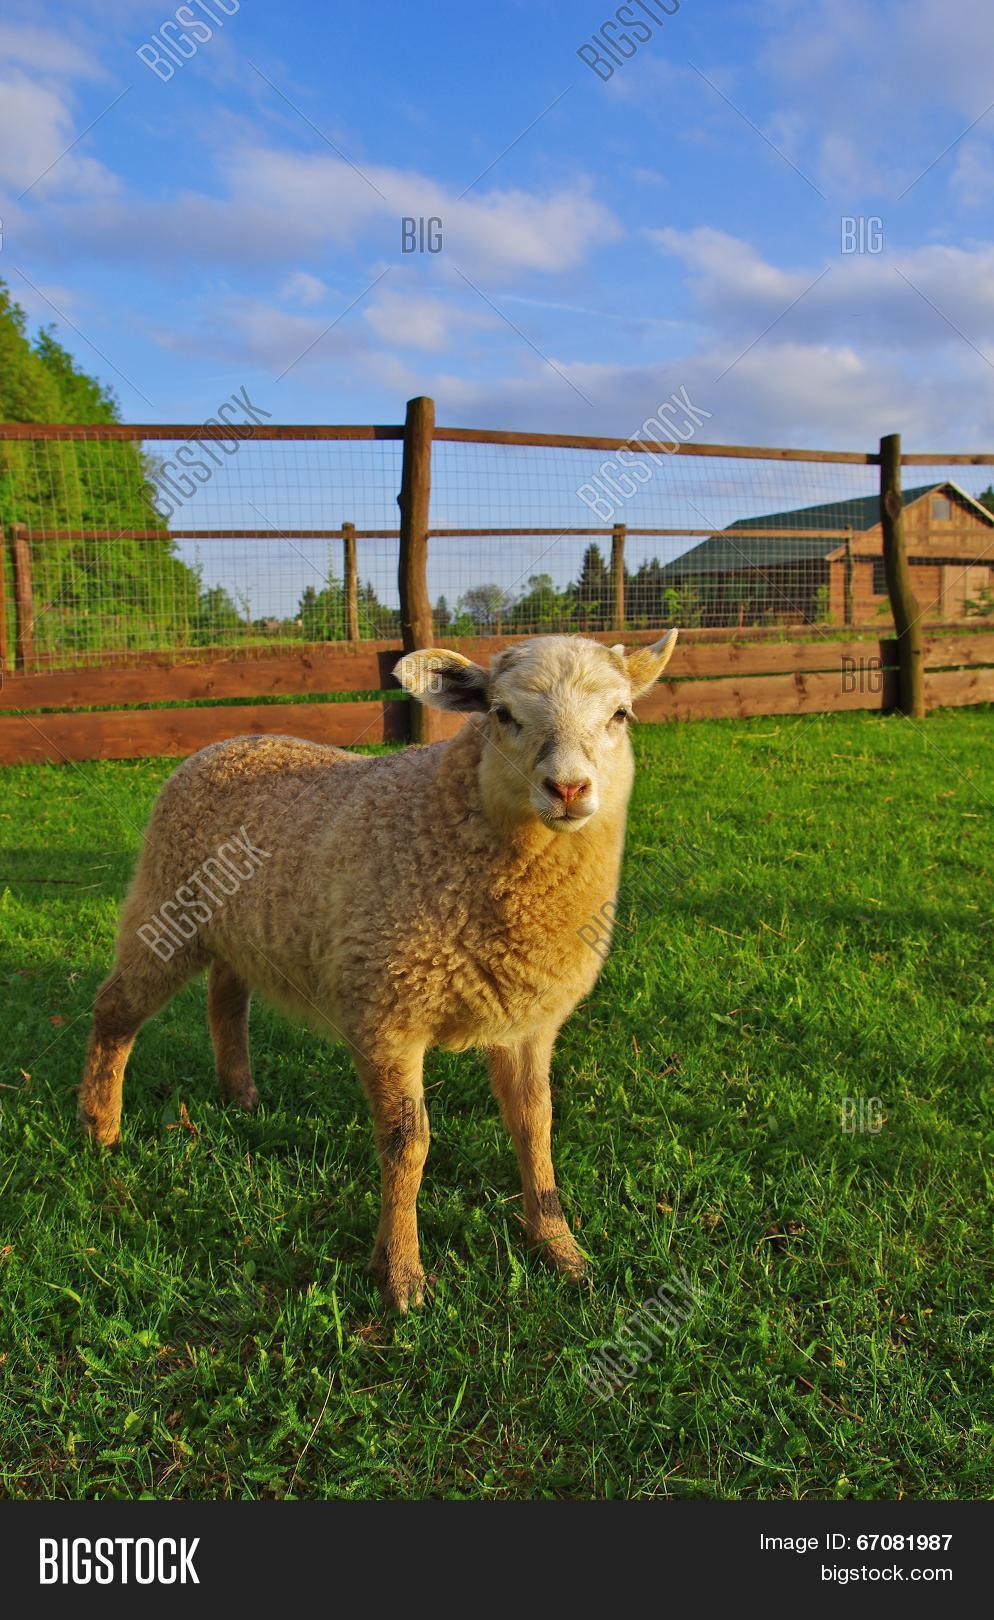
(215, 563)
(716, 676)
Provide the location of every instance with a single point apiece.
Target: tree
(593, 590)
(217, 619)
(442, 615)
(987, 498)
(482, 605)
(321, 613)
(542, 607)
(89, 594)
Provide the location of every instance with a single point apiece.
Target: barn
(801, 575)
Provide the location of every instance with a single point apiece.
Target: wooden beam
(940, 458)
(737, 698)
(952, 688)
(904, 603)
(4, 667)
(367, 667)
(351, 583)
(323, 668)
(148, 733)
(568, 441)
(23, 596)
(618, 577)
(970, 648)
(95, 431)
(412, 573)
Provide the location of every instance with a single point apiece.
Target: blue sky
(664, 229)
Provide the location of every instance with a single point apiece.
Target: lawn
(191, 1316)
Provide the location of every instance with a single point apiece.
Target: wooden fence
(104, 713)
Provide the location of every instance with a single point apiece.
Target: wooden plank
(903, 602)
(560, 532)
(178, 732)
(210, 534)
(953, 688)
(618, 577)
(368, 665)
(967, 648)
(941, 458)
(412, 569)
(23, 596)
(313, 670)
(760, 694)
(772, 658)
(94, 431)
(146, 733)
(567, 441)
(471, 646)
(351, 572)
(4, 671)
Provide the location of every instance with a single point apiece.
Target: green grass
(191, 1317)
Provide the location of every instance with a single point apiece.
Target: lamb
(436, 897)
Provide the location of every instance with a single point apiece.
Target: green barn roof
(731, 549)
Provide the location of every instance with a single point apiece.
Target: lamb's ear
(646, 664)
(445, 680)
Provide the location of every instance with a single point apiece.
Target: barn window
(879, 577)
(942, 508)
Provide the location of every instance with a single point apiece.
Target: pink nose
(566, 791)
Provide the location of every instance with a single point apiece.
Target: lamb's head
(556, 743)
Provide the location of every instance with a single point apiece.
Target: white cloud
(419, 320)
(252, 333)
(36, 128)
(50, 51)
(302, 288)
(321, 202)
(860, 354)
(973, 175)
(857, 126)
(903, 300)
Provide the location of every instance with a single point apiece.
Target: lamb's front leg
(519, 1075)
(394, 1087)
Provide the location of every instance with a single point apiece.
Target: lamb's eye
(621, 715)
(504, 715)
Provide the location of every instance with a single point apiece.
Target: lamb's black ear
(445, 680)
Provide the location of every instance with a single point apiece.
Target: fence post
(23, 596)
(904, 606)
(618, 577)
(4, 671)
(412, 573)
(351, 583)
(849, 609)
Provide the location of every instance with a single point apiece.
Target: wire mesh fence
(121, 543)
(181, 545)
(651, 539)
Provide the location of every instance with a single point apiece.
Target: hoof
(241, 1093)
(402, 1285)
(100, 1133)
(564, 1256)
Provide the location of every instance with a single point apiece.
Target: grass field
(191, 1316)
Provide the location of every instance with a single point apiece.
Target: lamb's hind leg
(400, 1126)
(228, 999)
(519, 1075)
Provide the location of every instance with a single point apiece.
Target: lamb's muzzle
(426, 898)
